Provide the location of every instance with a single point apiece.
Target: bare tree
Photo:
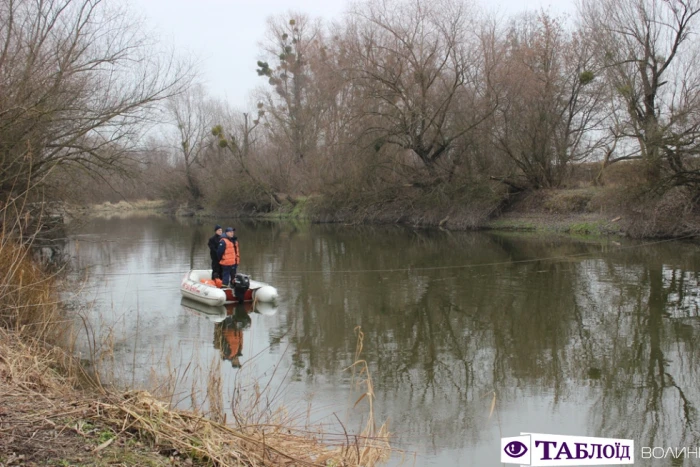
(78, 81)
(413, 61)
(292, 39)
(238, 137)
(193, 115)
(241, 138)
(650, 59)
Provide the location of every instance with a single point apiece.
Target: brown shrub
(568, 201)
(581, 175)
(624, 173)
(455, 206)
(674, 213)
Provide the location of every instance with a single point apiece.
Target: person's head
(230, 232)
(217, 229)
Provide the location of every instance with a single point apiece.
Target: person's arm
(221, 249)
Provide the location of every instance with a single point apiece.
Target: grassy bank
(614, 209)
(53, 411)
(617, 210)
(582, 211)
(123, 208)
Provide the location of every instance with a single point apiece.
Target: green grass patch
(104, 436)
(513, 224)
(585, 228)
(289, 211)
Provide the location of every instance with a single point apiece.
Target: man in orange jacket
(229, 256)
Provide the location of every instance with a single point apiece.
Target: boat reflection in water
(230, 322)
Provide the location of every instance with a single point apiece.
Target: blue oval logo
(515, 449)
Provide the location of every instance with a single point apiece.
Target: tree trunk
(193, 188)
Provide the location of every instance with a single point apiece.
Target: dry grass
(373, 445)
(121, 209)
(29, 372)
(673, 214)
(136, 205)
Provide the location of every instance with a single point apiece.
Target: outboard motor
(241, 284)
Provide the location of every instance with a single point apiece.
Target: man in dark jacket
(213, 247)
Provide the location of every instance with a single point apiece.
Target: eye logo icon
(515, 449)
(545, 450)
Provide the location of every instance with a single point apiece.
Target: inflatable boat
(197, 286)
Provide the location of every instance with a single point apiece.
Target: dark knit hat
(217, 227)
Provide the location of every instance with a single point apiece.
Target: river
(469, 337)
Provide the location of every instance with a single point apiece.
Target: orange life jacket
(230, 256)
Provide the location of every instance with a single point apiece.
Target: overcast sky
(223, 35)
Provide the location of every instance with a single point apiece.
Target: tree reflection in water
(615, 327)
(651, 390)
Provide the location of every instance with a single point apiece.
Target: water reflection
(568, 336)
(651, 374)
(215, 314)
(228, 335)
(230, 322)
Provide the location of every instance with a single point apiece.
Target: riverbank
(599, 211)
(122, 209)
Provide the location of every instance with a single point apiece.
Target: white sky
(223, 35)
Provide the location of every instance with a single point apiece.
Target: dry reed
(28, 299)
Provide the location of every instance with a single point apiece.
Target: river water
(469, 337)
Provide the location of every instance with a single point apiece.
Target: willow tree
(650, 51)
(550, 109)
